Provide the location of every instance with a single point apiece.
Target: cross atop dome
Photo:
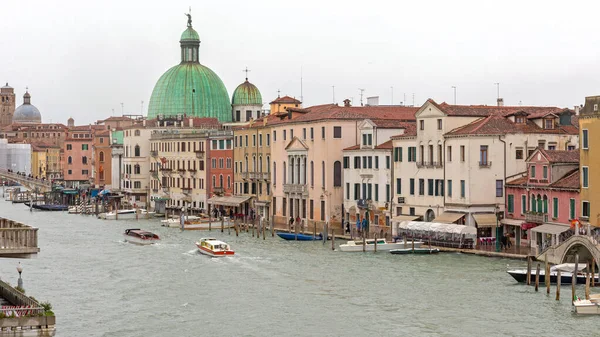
(246, 71)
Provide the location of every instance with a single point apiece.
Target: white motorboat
(566, 274)
(176, 222)
(213, 247)
(588, 307)
(382, 245)
(140, 237)
(126, 214)
(81, 209)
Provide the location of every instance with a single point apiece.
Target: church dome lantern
(27, 113)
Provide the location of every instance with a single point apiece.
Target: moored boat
(299, 236)
(125, 214)
(566, 274)
(588, 307)
(420, 250)
(382, 245)
(213, 247)
(44, 207)
(140, 236)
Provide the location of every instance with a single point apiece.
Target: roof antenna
(361, 96)
(246, 71)
(333, 89)
(142, 109)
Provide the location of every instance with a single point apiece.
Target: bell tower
(7, 105)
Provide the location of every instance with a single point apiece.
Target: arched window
(284, 174)
(228, 181)
(137, 132)
(312, 174)
(70, 160)
(533, 203)
(136, 169)
(214, 181)
(275, 173)
(539, 204)
(337, 174)
(545, 204)
(137, 150)
(246, 164)
(323, 174)
(268, 164)
(260, 164)
(253, 163)
(221, 180)
(101, 157)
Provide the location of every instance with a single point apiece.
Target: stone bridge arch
(565, 252)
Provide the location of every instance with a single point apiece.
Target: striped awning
(233, 201)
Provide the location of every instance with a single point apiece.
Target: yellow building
(252, 164)
(280, 104)
(45, 160)
(589, 137)
(38, 161)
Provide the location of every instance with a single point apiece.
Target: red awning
(528, 225)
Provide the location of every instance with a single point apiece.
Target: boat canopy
(434, 228)
(569, 267)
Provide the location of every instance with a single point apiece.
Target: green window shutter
(555, 207)
(400, 155)
(572, 209)
(511, 203)
(523, 204)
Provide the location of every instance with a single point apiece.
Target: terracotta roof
(117, 118)
(569, 180)
(102, 133)
(353, 147)
(40, 146)
(518, 181)
(499, 125)
(487, 110)
(286, 99)
(557, 156)
(384, 146)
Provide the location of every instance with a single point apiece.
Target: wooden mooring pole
(222, 224)
(558, 279)
(375, 243)
(593, 270)
(587, 285)
(537, 277)
(574, 278)
(547, 274)
(364, 243)
(332, 238)
(528, 270)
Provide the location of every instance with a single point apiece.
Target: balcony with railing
(199, 154)
(186, 190)
(256, 175)
(535, 217)
(218, 190)
(429, 164)
(165, 189)
(485, 164)
(295, 188)
(154, 153)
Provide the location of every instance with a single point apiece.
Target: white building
(368, 175)
(16, 157)
(453, 168)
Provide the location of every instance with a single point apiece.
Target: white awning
(234, 200)
(551, 229)
(512, 222)
(448, 217)
(485, 219)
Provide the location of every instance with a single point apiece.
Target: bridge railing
(21, 179)
(15, 235)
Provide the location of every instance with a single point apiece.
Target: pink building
(77, 155)
(546, 198)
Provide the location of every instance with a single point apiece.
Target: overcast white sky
(84, 58)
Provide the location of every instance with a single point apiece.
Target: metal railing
(485, 163)
(295, 188)
(534, 217)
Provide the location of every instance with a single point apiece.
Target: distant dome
(27, 113)
(246, 94)
(190, 88)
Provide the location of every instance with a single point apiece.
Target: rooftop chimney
(500, 101)
(347, 102)
(191, 122)
(577, 110)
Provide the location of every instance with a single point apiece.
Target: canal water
(101, 286)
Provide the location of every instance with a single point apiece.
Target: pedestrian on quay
(291, 222)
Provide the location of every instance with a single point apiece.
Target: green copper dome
(189, 34)
(190, 88)
(246, 94)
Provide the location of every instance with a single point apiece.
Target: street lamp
(20, 270)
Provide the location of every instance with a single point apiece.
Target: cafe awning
(232, 201)
(551, 229)
(512, 222)
(485, 219)
(399, 218)
(448, 217)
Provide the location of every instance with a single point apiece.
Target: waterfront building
(453, 168)
(589, 128)
(246, 103)
(135, 178)
(77, 155)
(116, 152)
(306, 149)
(116, 122)
(7, 105)
(252, 166)
(101, 158)
(178, 150)
(281, 104)
(368, 173)
(190, 89)
(45, 161)
(544, 199)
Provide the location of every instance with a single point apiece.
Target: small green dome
(192, 89)
(246, 94)
(189, 35)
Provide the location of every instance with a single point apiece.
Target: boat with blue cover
(299, 236)
(44, 207)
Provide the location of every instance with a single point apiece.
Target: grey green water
(101, 286)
